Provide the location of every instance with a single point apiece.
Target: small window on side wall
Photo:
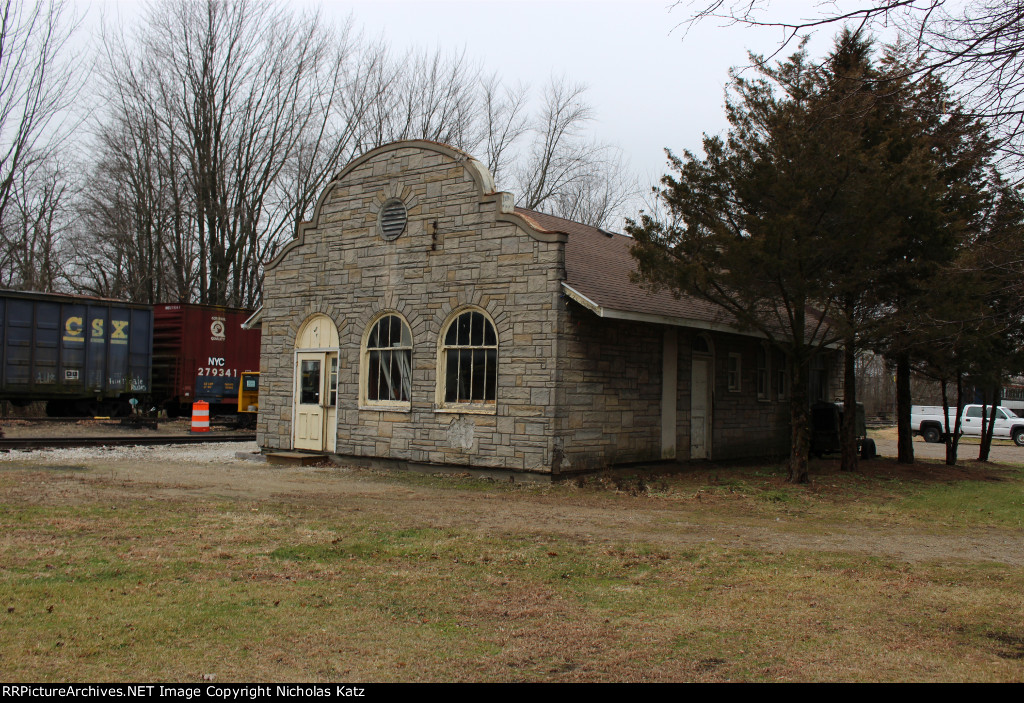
(762, 372)
(387, 360)
(732, 372)
(468, 363)
(781, 376)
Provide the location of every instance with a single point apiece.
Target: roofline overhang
(671, 320)
(254, 320)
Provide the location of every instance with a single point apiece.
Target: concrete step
(294, 458)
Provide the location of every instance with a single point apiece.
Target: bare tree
(224, 120)
(558, 154)
(419, 95)
(605, 191)
(563, 172)
(224, 113)
(38, 86)
(36, 223)
(977, 46)
(505, 122)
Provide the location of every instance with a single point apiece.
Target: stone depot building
(421, 317)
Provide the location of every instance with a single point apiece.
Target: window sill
(403, 408)
(467, 409)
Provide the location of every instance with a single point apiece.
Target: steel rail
(126, 441)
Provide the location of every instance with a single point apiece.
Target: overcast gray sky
(650, 87)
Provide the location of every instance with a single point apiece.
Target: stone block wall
(743, 425)
(610, 386)
(456, 251)
(609, 391)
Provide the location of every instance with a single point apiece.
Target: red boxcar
(199, 353)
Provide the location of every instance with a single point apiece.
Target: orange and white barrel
(200, 416)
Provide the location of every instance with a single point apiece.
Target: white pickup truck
(926, 420)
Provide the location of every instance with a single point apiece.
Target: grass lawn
(716, 574)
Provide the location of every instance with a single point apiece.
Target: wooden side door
(700, 409)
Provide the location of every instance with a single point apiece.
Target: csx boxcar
(199, 353)
(79, 353)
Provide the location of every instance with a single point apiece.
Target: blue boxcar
(73, 348)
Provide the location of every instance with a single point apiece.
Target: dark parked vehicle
(826, 421)
(81, 354)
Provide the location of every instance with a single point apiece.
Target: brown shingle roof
(598, 266)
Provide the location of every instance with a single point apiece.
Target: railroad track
(126, 441)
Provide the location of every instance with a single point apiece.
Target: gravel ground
(1002, 450)
(214, 469)
(18, 428)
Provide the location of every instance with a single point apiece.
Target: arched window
(387, 363)
(468, 363)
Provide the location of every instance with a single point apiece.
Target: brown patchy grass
(110, 572)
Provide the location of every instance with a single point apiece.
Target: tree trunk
(987, 422)
(905, 438)
(849, 428)
(800, 444)
(952, 433)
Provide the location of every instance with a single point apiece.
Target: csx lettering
(97, 328)
(119, 329)
(73, 326)
(73, 329)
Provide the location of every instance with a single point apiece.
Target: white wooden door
(700, 415)
(311, 400)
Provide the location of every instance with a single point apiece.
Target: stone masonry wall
(610, 385)
(609, 390)
(454, 252)
(743, 426)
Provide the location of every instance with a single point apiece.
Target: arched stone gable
(459, 245)
(502, 204)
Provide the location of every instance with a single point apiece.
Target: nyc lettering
(215, 367)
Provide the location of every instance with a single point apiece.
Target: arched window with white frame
(468, 363)
(387, 364)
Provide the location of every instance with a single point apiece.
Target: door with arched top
(314, 425)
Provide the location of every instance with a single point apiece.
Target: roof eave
(613, 314)
(254, 320)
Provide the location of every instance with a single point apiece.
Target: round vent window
(393, 217)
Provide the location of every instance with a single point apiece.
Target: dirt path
(213, 471)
